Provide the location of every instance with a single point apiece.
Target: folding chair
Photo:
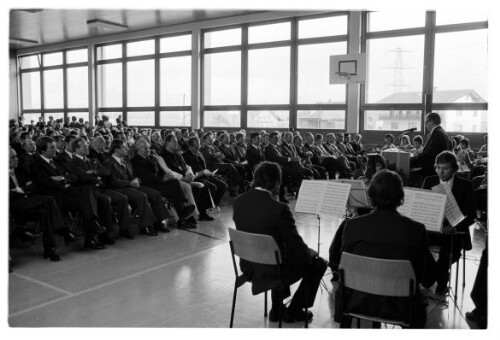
(259, 249)
(394, 278)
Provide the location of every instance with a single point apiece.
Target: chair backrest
(377, 276)
(255, 248)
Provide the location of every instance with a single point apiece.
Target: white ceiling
(49, 26)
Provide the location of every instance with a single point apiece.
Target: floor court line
(41, 283)
(102, 285)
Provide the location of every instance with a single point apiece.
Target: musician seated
(453, 238)
(386, 234)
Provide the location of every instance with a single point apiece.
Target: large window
(55, 84)
(147, 82)
(422, 63)
(275, 75)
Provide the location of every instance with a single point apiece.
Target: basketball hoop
(343, 75)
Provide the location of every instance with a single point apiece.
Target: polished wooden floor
(178, 279)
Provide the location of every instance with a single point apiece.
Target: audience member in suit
(230, 155)
(152, 175)
(288, 149)
(255, 154)
(240, 148)
(214, 160)
(292, 172)
(437, 141)
(446, 166)
(43, 208)
(318, 171)
(194, 159)
(176, 163)
(91, 172)
(29, 149)
(386, 234)
(258, 212)
(49, 179)
(320, 156)
(97, 148)
(123, 180)
(65, 156)
(356, 144)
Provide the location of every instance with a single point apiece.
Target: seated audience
(388, 142)
(386, 234)
(258, 212)
(417, 145)
(255, 154)
(465, 155)
(405, 143)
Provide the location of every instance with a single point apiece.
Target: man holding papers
(256, 211)
(457, 221)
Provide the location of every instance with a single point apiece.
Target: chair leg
(234, 305)
(359, 322)
(265, 303)
(306, 323)
(463, 273)
(280, 311)
(457, 269)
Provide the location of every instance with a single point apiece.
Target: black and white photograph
(251, 166)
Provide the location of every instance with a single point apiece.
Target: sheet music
(424, 206)
(452, 211)
(357, 196)
(323, 198)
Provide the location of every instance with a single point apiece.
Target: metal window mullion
(294, 73)
(244, 78)
(65, 84)
(429, 54)
(157, 82)
(362, 86)
(42, 89)
(202, 78)
(124, 82)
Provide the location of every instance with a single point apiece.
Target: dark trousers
(138, 200)
(216, 186)
(450, 245)
(230, 173)
(305, 295)
(479, 293)
(172, 190)
(44, 209)
(119, 204)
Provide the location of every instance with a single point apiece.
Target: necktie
(51, 162)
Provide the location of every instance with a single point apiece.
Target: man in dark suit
(146, 201)
(213, 158)
(437, 141)
(96, 150)
(153, 176)
(230, 155)
(258, 212)
(176, 163)
(49, 178)
(66, 155)
(43, 208)
(195, 160)
(446, 166)
(92, 172)
(386, 234)
(255, 155)
(292, 172)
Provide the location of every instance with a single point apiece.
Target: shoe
(148, 231)
(274, 313)
(51, 254)
(188, 209)
(183, 224)
(92, 243)
(205, 217)
(284, 200)
(191, 220)
(292, 316)
(126, 234)
(163, 228)
(70, 238)
(105, 239)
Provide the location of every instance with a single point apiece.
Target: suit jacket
(272, 154)
(79, 168)
(257, 212)
(386, 234)
(174, 161)
(64, 160)
(41, 173)
(120, 176)
(436, 143)
(255, 155)
(210, 154)
(463, 192)
(228, 152)
(147, 170)
(196, 162)
(240, 149)
(100, 156)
